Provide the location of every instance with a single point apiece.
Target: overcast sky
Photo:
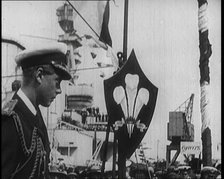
(164, 35)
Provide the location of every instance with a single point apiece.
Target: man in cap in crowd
(209, 172)
(25, 143)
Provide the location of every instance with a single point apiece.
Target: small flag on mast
(92, 20)
(105, 35)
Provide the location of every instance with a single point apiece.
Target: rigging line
(84, 20)
(73, 70)
(10, 76)
(33, 36)
(91, 68)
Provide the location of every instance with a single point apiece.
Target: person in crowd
(172, 173)
(209, 173)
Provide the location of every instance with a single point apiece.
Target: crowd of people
(138, 171)
(187, 172)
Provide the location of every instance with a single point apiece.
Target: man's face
(49, 89)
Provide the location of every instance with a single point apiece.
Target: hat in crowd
(210, 171)
(54, 54)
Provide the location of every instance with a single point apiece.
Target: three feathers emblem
(131, 101)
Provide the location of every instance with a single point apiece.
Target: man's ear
(39, 74)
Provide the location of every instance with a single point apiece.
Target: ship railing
(72, 127)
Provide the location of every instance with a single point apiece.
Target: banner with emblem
(130, 101)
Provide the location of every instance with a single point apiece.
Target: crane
(180, 127)
(187, 109)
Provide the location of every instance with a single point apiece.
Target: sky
(164, 36)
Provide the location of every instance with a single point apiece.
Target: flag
(92, 19)
(91, 24)
(104, 34)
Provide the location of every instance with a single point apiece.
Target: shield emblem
(130, 101)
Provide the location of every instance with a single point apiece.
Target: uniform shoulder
(8, 108)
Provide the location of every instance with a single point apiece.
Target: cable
(83, 19)
(33, 36)
(81, 69)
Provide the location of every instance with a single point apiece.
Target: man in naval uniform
(25, 144)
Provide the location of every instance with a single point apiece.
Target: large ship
(78, 135)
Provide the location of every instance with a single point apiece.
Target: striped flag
(205, 53)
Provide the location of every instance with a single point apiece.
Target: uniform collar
(26, 100)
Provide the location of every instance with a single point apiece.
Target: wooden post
(121, 163)
(114, 155)
(105, 148)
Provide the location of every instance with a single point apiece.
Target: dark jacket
(25, 145)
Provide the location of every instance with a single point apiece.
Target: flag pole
(121, 155)
(125, 37)
(205, 53)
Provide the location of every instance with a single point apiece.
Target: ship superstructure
(78, 137)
